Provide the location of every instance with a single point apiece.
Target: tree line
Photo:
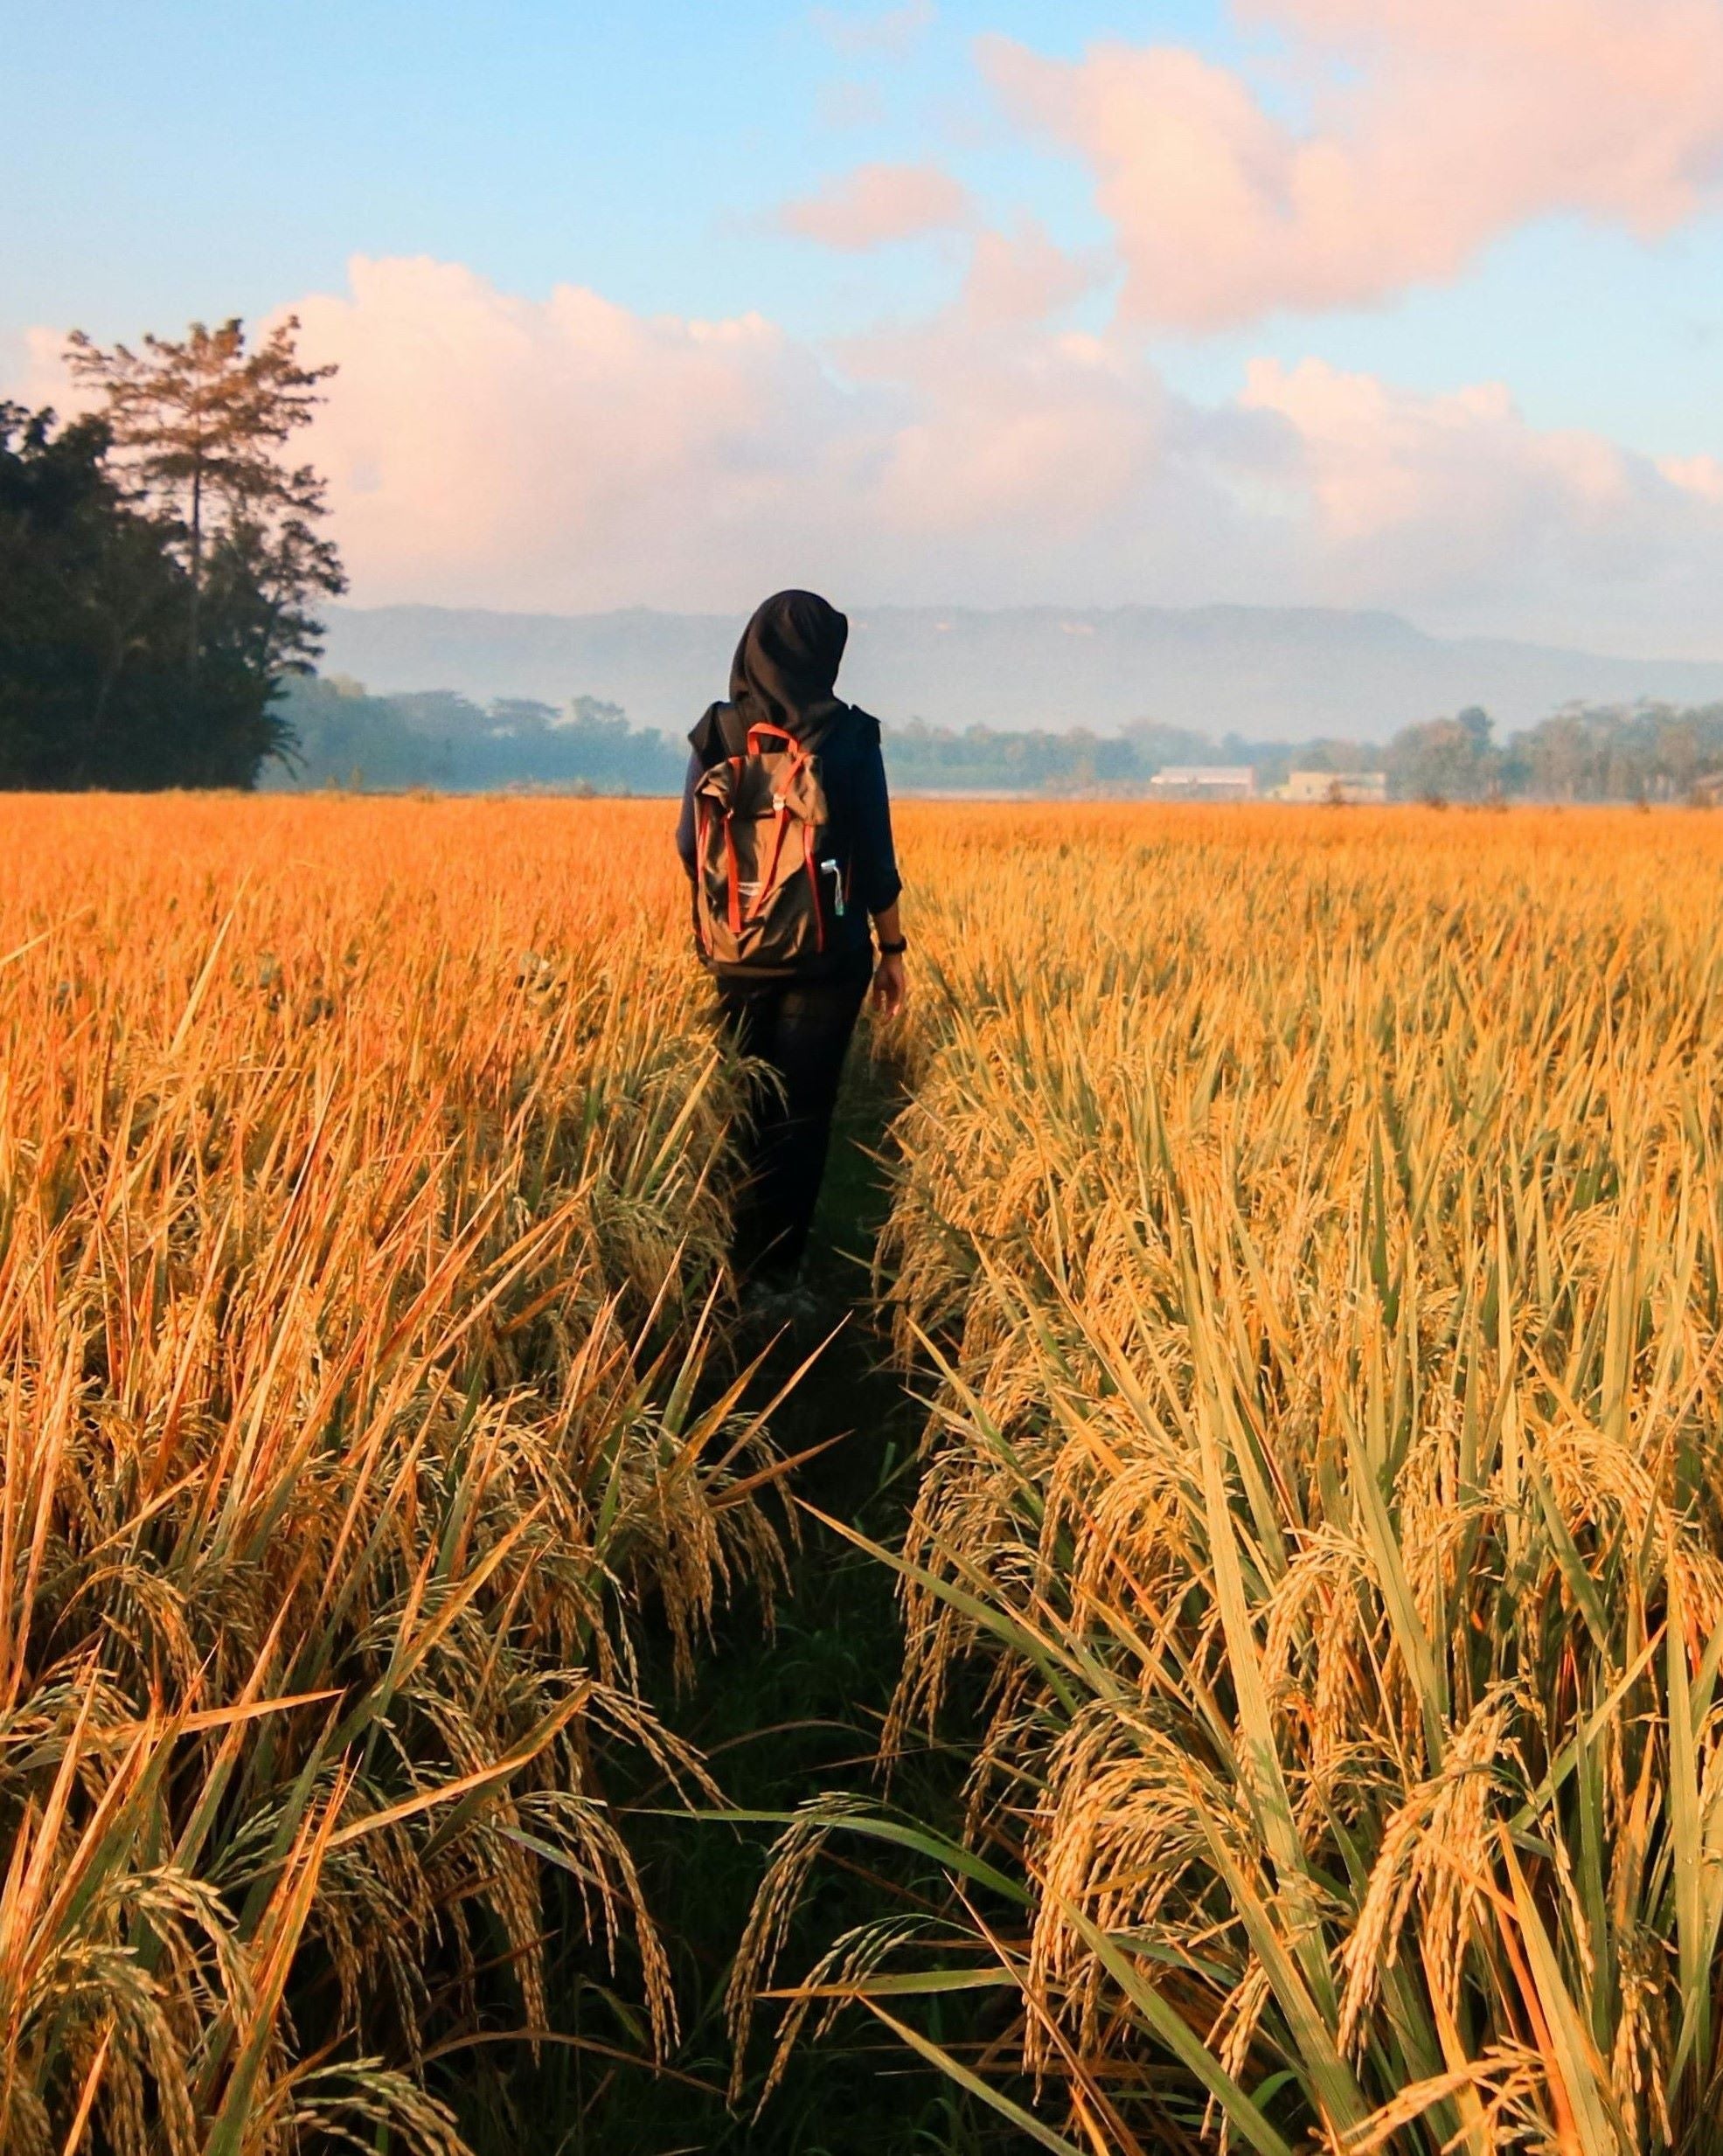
(1584, 752)
(161, 564)
(344, 737)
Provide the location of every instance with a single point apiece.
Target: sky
(1412, 304)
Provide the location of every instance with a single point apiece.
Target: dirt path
(782, 1717)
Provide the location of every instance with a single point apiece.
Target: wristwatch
(894, 950)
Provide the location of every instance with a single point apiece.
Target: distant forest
(339, 735)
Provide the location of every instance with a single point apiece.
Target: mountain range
(1275, 674)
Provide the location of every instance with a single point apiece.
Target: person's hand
(890, 985)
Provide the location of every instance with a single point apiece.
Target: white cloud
(570, 454)
(1701, 476)
(1454, 507)
(1444, 124)
(876, 205)
(1023, 276)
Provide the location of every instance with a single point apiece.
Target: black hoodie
(784, 674)
(786, 665)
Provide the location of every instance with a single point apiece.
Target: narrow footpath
(782, 1716)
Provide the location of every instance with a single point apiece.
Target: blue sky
(186, 159)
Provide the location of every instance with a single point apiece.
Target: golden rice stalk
(1315, 1226)
(360, 1210)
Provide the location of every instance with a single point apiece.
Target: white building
(1205, 782)
(1354, 788)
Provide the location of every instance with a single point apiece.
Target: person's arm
(685, 821)
(686, 835)
(877, 874)
(891, 983)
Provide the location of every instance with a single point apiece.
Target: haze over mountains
(1272, 673)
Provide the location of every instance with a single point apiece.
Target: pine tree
(161, 565)
(200, 427)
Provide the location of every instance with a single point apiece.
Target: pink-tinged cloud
(1701, 476)
(1458, 497)
(1005, 433)
(878, 203)
(1023, 276)
(565, 452)
(1452, 123)
(45, 380)
(569, 455)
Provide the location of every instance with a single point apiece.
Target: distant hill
(1277, 674)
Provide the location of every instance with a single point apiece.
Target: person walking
(786, 834)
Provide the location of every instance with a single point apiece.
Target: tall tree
(161, 565)
(200, 425)
(1446, 758)
(91, 603)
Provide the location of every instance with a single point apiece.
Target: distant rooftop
(1335, 786)
(1228, 778)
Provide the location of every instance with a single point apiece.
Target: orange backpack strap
(763, 889)
(734, 871)
(797, 753)
(814, 885)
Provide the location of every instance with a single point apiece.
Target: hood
(786, 663)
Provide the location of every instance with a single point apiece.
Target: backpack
(768, 889)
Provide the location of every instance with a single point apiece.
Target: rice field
(1310, 1227)
(1305, 1237)
(359, 1222)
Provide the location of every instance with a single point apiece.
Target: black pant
(800, 1031)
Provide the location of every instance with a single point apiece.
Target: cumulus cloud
(1699, 474)
(1491, 521)
(45, 380)
(568, 452)
(1000, 436)
(1023, 276)
(876, 205)
(1447, 124)
(571, 455)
